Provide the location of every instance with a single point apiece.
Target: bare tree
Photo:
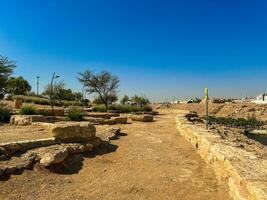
(6, 69)
(104, 84)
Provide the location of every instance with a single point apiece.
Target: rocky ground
(235, 110)
(148, 161)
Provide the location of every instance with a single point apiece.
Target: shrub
(99, 108)
(4, 113)
(122, 108)
(75, 114)
(237, 123)
(44, 101)
(27, 110)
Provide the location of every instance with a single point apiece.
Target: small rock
(53, 157)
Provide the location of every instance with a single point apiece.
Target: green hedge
(237, 123)
(122, 108)
(44, 101)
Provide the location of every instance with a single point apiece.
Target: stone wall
(244, 174)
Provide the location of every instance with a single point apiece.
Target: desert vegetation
(237, 123)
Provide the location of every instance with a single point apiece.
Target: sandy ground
(149, 161)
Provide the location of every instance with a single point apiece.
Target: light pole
(37, 92)
(51, 91)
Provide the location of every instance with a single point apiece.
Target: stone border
(244, 175)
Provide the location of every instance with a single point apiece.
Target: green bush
(99, 108)
(27, 110)
(4, 113)
(75, 114)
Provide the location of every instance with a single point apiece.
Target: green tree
(57, 89)
(6, 69)
(18, 86)
(104, 84)
(124, 99)
(140, 100)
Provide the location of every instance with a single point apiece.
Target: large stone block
(73, 131)
(120, 120)
(142, 118)
(26, 119)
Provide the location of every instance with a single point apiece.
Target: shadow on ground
(74, 163)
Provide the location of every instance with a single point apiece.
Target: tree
(18, 86)
(124, 99)
(112, 98)
(57, 88)
(139, 100)
(6, 69)
(60, 93)
(104, 84)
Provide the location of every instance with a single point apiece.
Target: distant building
(261, 99)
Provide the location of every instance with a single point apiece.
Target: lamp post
(207, 107)
(51, 91)
(37, 92)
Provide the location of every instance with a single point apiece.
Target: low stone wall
(102, 115)
(9, 148)
(26, 119)
(244, 174)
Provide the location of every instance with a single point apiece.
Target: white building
(261, 99)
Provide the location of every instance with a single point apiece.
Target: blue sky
(161, 49)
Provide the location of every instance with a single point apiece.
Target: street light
(38, 77)
(51, 91)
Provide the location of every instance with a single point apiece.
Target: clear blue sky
(159, 49)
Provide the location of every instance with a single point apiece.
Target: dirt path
(151, 162)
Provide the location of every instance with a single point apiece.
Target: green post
(207, 107)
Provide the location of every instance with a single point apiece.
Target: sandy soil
(148, 161)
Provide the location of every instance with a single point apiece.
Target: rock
(26, 119)
(102, 115)
(73, 131)
(143, 118)
(109, 134)
(53, 157)
(120, 120)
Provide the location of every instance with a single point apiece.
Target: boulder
(109, 134)
(120, 120)
(53, 157)
(142, 118)
(26, 119)
(73, 131)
